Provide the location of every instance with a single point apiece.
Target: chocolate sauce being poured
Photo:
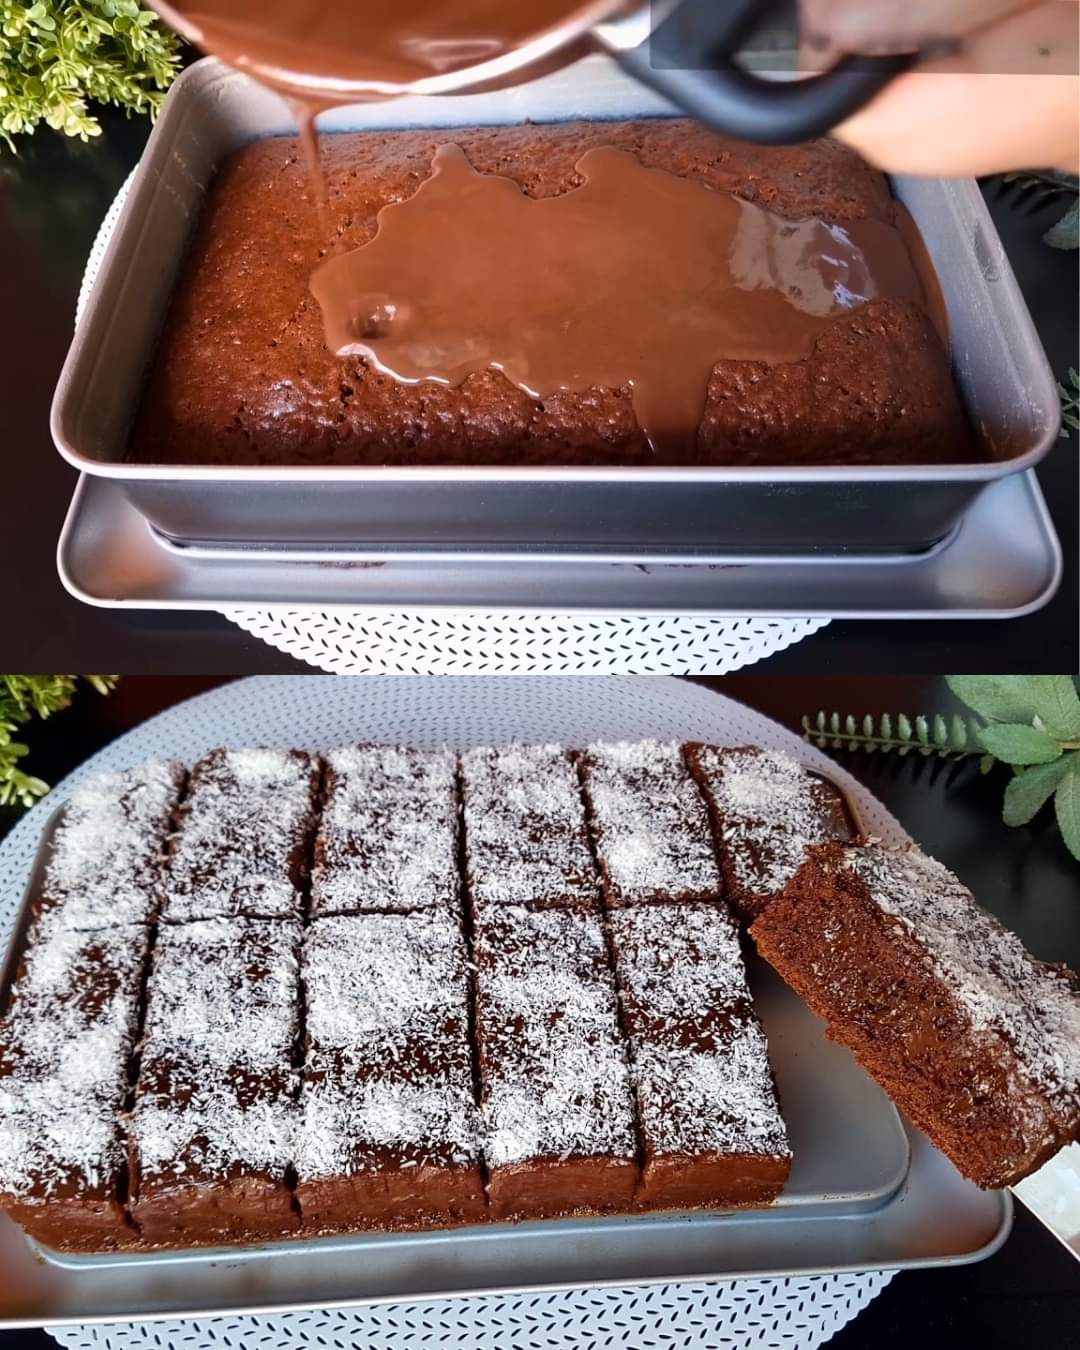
(328, 49)
(637, 276)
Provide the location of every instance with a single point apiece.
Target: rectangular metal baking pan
(1005, 561)
(866, 1192)
(688, 513)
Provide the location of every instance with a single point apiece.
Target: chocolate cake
(710, 1123)
(765, 808)
(388, 1131)
(243, 838)
(649, 824)
(525, 836)
(556, 1108)
(973, 1038)
(243, 374)
(388, 838)
(107, 850)
(213, 1125)
(65, 1045)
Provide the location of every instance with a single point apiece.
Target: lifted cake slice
(65, 1046)
(526, 841)
(212, 1128)
(388, 1131)
(388, 839)
(976, 1040)
(243, 838)
(710, 1122)
(555, 1089)
(649, 824)
(108, 849)
(765, 809)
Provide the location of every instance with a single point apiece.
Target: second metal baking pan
(699, 513)
(866, 1192)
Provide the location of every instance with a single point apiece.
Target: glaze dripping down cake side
(243, 375)
(976, 1040)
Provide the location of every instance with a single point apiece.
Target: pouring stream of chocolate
(637, 276)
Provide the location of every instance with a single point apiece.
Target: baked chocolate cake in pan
(108, 849)
(388, 1126)
(765, 808)
(649, 824)
(213, 1125)
(526, 841)
(973, 1038)
(244, 834)
(710, 1122)
(65, 1045)
(243, 374)
(388, 837)
(556, 1106)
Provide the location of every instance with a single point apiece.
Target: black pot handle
(690, 59)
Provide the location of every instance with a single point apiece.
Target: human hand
(997, 90)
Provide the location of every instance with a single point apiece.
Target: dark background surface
(52, 200)
(1028, 1295)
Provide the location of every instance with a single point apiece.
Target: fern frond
(947, 739)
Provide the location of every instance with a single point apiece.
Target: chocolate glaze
(637, 275)
(308, 47)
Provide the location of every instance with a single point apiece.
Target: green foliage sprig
(1070, 402)
(22, 698)
(1029, 722)
(57, 55)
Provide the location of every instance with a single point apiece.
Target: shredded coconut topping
(242, 836)
(1002, 987)
(554, 1076)
(64, 1048)
(525, 834)
(651, 828)
(770, 809)
(388, 1064)
(105, 864)
(216, 1084)
(699, 1060)
(388, 839)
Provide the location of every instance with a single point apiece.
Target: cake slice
(388, 1131)
(212, 1130)
(526, 841)
(649, 824)
(555, 1089)
(388, 839)
(765, 809)
(243, 838)
(973, 1038)
(105, 862)
(710, 1122)
(65, 1045)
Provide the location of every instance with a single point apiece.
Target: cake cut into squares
(765, 809)
(710, 1121)
(65, 1046)
(388, 1131)
(526, 841)
(649, 824)
(388, 838)
(244, 834)
(213, 1125)
(555, 1089)
(973, 1038)
(107, 852)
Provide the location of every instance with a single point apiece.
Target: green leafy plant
(1070, 402)
(58, 55)
(22, 698)
(1029, 722)
(1035, 188)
